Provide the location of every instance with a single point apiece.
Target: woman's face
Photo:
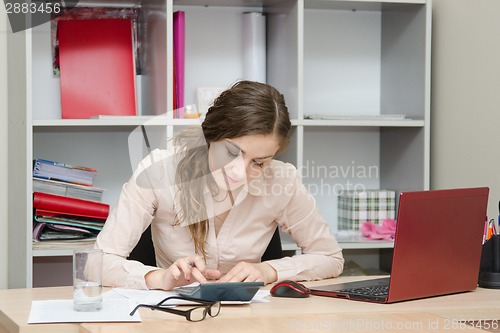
(235, 162)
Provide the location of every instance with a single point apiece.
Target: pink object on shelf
(385, 231)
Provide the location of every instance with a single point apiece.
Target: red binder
(97, 68)
(179, 48)
(46, 204)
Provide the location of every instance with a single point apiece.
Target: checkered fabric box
(357, 207)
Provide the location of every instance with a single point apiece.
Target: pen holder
(489, 272)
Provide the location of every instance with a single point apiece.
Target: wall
(465, 144)
(3, 147)
(465, 102)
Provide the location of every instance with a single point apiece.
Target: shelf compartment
(366, 57)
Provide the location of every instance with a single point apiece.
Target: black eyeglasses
(197, 313)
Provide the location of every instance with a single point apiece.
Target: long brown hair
(246, 108)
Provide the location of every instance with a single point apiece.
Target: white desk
(452, 313)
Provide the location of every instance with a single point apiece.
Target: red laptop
(437, 249)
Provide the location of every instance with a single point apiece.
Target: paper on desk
(61, 311)
(155, 296)
(139, 296)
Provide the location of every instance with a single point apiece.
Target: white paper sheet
(144, 296)
(61, 311)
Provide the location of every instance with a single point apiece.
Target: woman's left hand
(250, 272)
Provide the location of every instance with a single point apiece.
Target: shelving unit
(325, 56)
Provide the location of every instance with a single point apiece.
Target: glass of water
(87, 280)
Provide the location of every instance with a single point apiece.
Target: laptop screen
(438, 242)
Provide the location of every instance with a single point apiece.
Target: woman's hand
(183, 271)
(249, 272)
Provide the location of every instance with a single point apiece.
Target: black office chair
(144, 250)
(274, 249)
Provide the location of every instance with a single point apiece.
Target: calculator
(221, 291)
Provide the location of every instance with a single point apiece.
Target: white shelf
(117, 121)
(64, 250)
(53, 252)
(359, 123)
(58, 249)
(353, 5)
(347, 241)
(350, 240)
(164, 121)
(368, 244)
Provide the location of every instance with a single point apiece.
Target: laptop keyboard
(379, 291)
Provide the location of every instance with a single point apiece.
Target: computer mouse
(289, 288)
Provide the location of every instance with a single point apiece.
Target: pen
(490, 231)
(485, 231)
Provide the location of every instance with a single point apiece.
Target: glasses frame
(208, 307)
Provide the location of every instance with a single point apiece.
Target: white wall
(465, 123)
(3, 147)
(465, 133)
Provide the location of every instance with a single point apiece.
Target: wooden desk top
(452, 313)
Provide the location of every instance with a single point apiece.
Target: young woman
(214, 201)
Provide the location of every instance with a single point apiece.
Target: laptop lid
(437, 248)
(438, 242)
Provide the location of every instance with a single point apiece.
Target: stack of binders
(66, 205)
(64, 218)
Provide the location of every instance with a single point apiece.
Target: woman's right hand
(183, 271)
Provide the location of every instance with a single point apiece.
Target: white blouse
(279, 198)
